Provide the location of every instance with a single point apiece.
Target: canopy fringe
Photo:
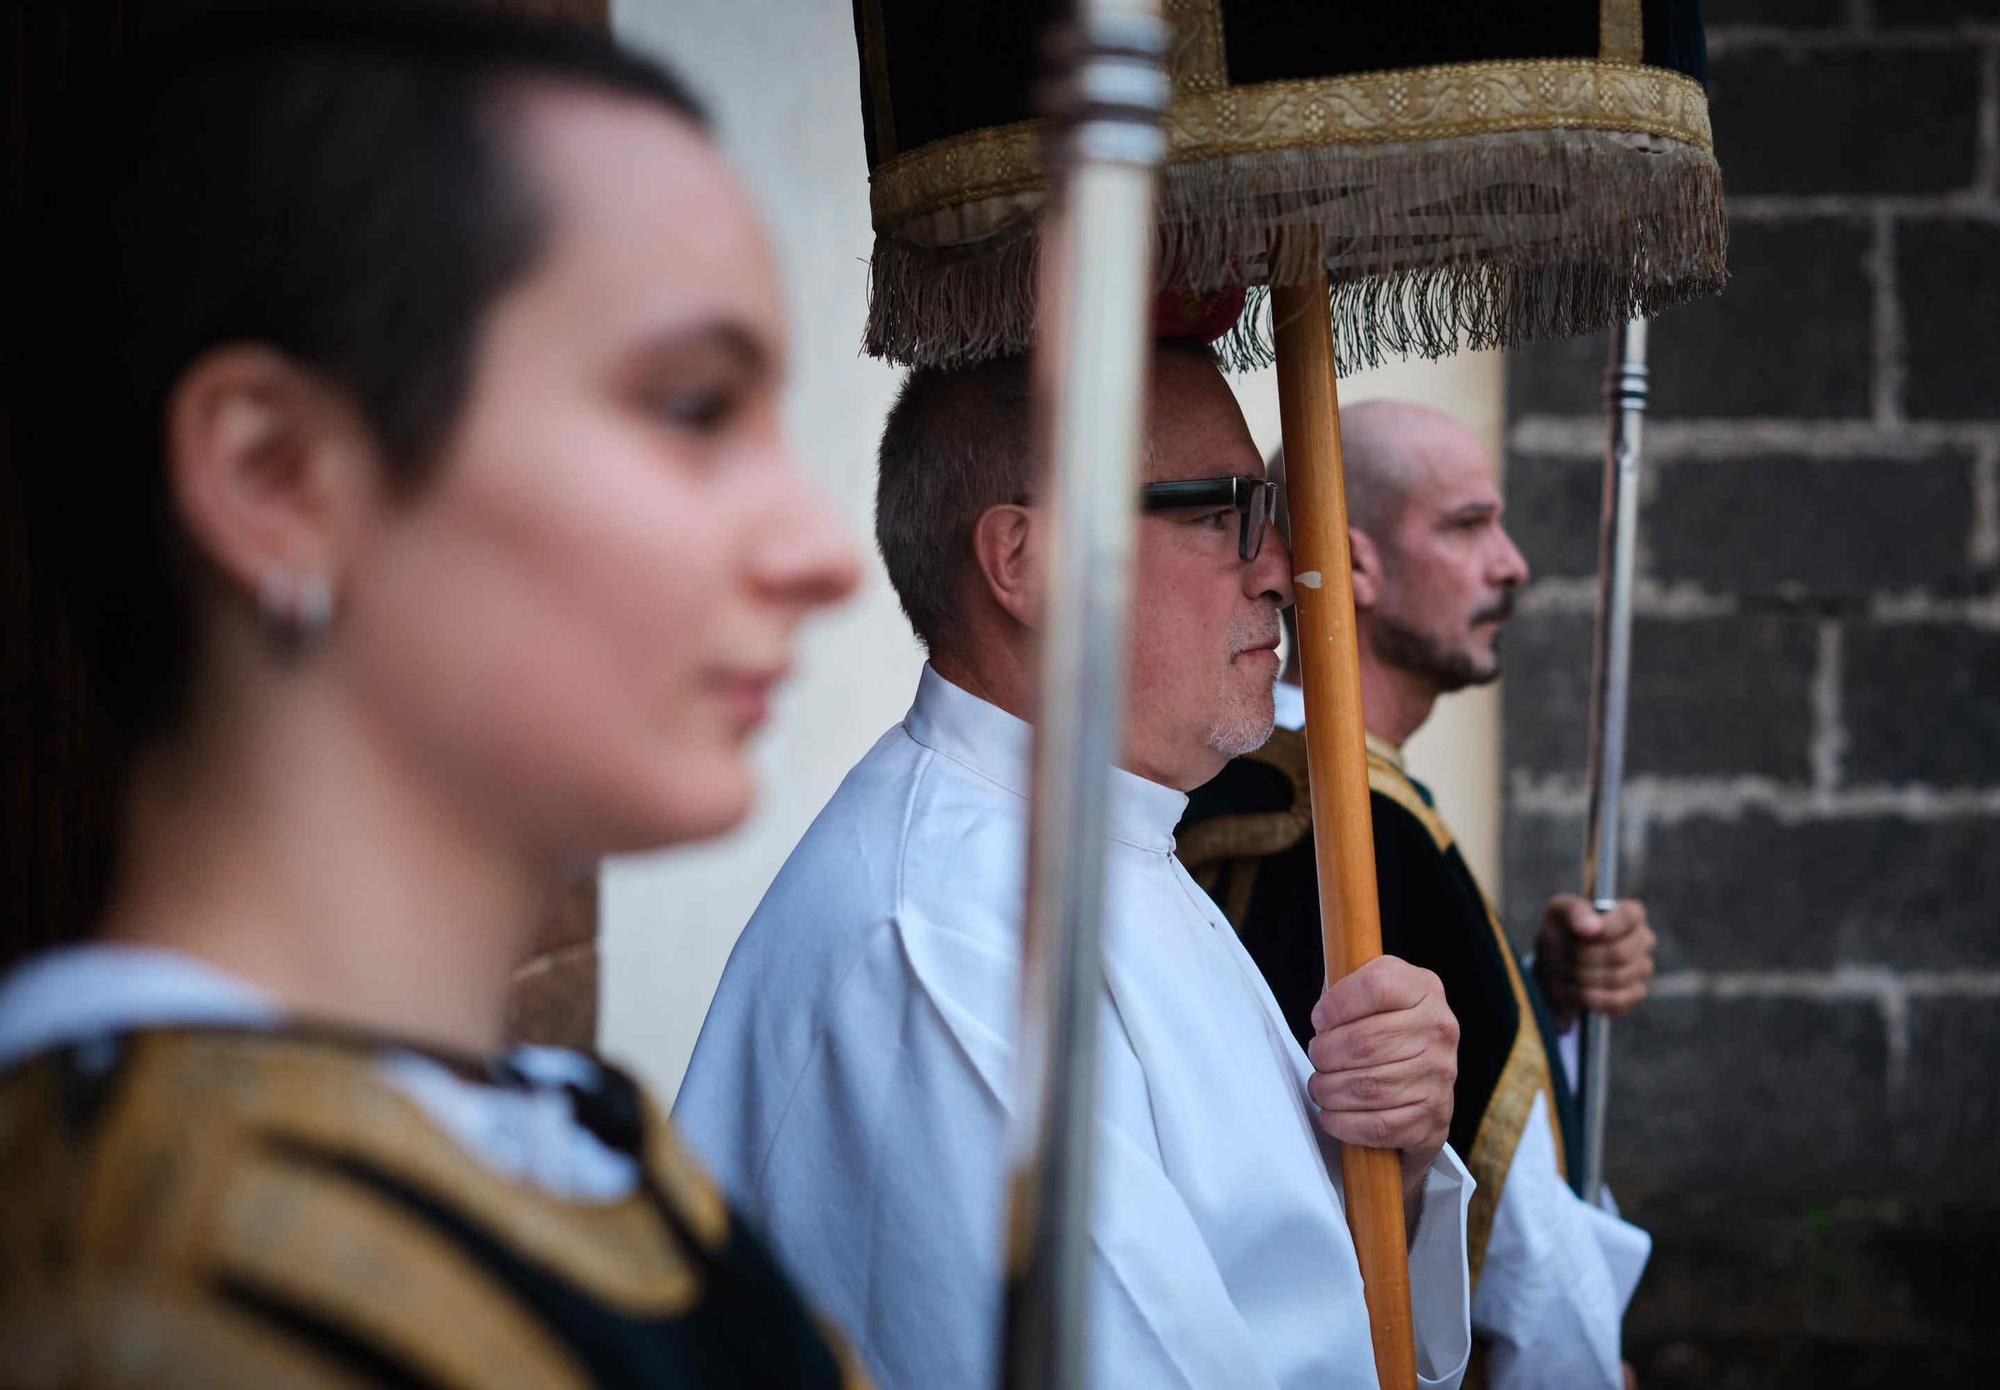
(1478, 242)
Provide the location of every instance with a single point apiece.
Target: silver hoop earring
(294, 610)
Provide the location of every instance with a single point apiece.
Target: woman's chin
(706, 804)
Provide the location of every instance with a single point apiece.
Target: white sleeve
(1160, 1314)
(1440, 1280)
(883, 1189)
(1557, 1277)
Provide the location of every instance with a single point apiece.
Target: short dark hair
(955, 443)
(332, 180)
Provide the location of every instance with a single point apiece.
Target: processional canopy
(1470, 173)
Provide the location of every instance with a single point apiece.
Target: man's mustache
(1499, 611)
(1260, 629)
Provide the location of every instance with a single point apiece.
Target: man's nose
(1511, 568)
(1270, 574)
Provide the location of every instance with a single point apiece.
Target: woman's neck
(298, 856)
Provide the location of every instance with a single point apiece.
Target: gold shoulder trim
(330, 1247)
(1388, 779)
(334, 1100)
(1254, 835)
(1381, 747)
(114, 1336)
(1523, 1076)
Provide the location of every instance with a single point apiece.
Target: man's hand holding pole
(1599, 962)
(1385, 1058)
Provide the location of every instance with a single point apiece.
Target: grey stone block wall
(1807, 1113)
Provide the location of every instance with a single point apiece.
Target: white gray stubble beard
(1244, 731)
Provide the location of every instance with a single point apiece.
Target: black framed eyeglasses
(1253, 499)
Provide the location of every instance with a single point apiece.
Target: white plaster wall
(780, 77)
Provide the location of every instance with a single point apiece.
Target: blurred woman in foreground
(414, 466)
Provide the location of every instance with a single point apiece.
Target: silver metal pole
(1610, 685)
(1090, 372)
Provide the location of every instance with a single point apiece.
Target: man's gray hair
(956, 443)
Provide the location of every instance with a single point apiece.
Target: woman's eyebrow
(742, 345)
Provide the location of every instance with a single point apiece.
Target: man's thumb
(1577, 914)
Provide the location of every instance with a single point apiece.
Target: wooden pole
(1337, 758)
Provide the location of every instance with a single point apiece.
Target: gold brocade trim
(1525, 1074)
(1195, 54)
(1405, 105)
(1621, 33)
(992, 162)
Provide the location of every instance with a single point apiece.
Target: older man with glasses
(853, 1079)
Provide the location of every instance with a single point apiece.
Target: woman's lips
(747, 694)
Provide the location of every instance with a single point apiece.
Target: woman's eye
(701, 411)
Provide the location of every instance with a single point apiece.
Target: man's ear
(1367, 569)
(269, 468)
(1004, 546)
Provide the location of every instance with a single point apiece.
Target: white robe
(1558, 1272)
(851, 1083)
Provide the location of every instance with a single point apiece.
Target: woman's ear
(1004, 545)
(1367, 562)
(269, 469)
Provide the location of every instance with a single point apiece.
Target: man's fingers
(1407, 1127)
(1614, 1002)
(1613, 974)
(1576, 914)
(1382, 1040)
(1388, 1087)
(1622, 921)
(1604, 954)
(1383, 985)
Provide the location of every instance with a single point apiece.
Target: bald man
(1435, 575)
